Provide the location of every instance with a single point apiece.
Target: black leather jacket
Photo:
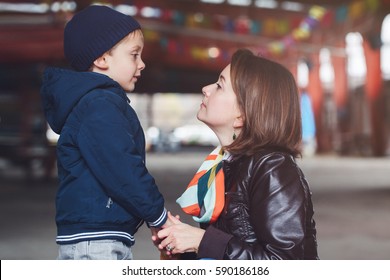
(268, 212)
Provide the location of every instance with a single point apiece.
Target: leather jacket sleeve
(279, 210)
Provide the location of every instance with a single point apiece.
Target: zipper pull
(109, 203)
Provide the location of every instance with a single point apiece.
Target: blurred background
(339, 52)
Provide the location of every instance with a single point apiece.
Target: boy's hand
(171, 220)
(155, 239)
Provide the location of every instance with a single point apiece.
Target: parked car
(184, 136)
(195, 134)
(23, 141)
(159, 141)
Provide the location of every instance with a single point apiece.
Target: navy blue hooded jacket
(105, 190)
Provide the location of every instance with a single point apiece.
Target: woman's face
(219, 109)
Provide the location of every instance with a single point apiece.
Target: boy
(105, 191)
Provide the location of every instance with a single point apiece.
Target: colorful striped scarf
(204, 197)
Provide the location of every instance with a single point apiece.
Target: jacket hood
(62, 89)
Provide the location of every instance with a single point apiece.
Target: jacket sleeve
(277, 213)
(107, 143)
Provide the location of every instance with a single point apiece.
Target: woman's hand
(164, 254)
(179, 237)
(168, 223)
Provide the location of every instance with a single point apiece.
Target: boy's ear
(101, 62)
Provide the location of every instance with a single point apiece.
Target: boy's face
(124, 62)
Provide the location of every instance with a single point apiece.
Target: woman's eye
(218, 85)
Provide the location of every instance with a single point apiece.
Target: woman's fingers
(163, 233)
(179, 237)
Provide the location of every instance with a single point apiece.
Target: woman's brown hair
(268, 98)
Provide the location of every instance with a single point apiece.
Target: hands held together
(176, 237)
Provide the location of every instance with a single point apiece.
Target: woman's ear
(238, 122)
(101, 62)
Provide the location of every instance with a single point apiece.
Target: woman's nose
(205, 91)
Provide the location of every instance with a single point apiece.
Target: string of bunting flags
(287, 32)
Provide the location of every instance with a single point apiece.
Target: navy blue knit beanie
(92, 32)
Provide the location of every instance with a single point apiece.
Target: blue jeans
(95, 250)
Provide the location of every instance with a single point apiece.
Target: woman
(265, 209)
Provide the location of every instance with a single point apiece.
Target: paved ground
(351, 198)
